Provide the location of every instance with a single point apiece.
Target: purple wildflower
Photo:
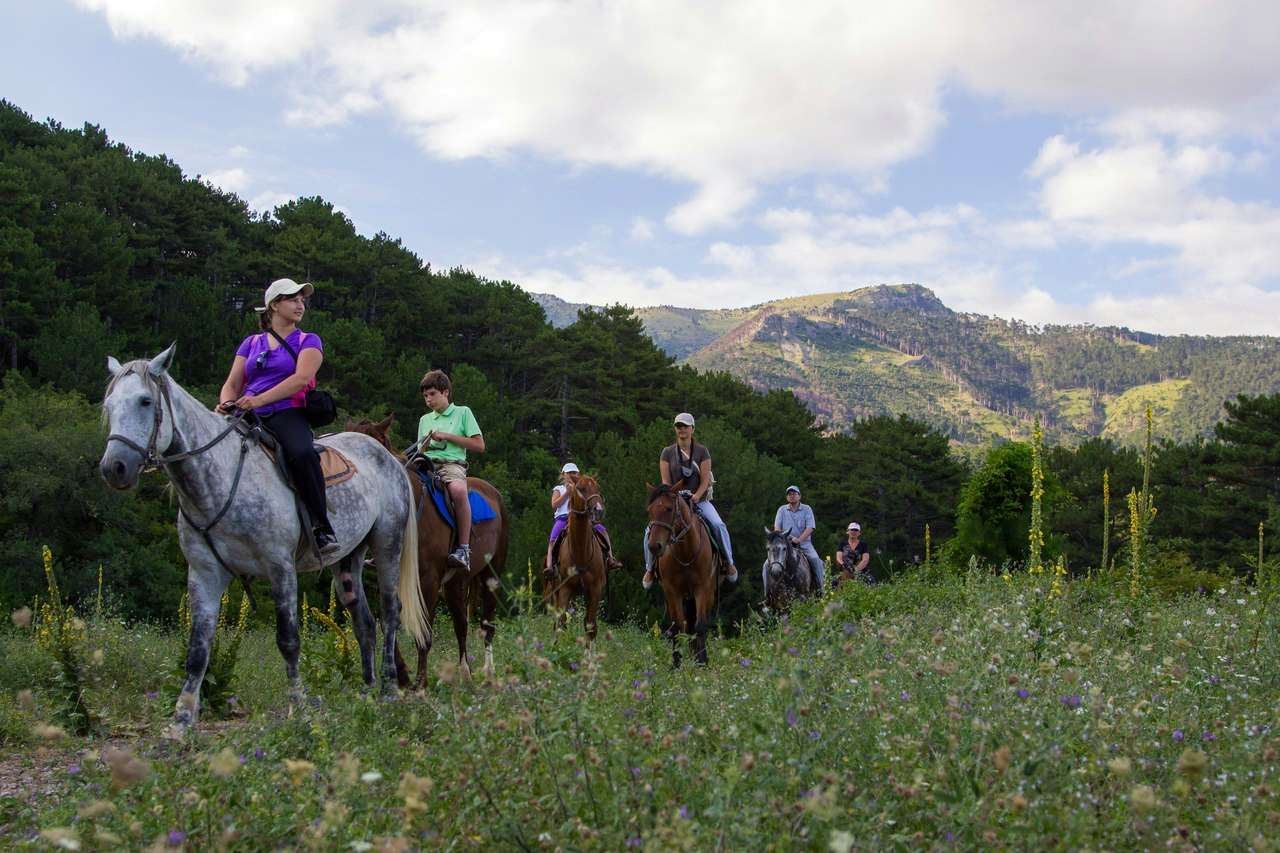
(745, 662)
(243, 758)
(791, 718)
(814, 735)
(635, 772)
(1022, 693)
(1072, 701)
(904, 696)
(176, 837)
(151, 694)
(1177, 735)
(73, 769)
(634, 841)
(636, 682)
(848, 629)
(638, 695)
(573, 666)
(684, 812)
(1208, 736)
(791, 650)
(259, 753)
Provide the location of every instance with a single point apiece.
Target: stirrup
(460, 558)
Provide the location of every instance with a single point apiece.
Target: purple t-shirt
(276, 367)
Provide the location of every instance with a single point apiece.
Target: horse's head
(134, 409)
(778, 546)
(587, 489)
(379, 430)
(668, 516)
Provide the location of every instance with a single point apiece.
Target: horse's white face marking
(130, 411)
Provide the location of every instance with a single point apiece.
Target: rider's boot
(461, 557)
(326, 542)
(647, 580)
(731, 573)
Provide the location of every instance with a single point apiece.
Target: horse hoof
(176, 732)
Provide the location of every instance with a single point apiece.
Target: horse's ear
(351, 425)
(385, 423)
(768, 531)
(114, 367)
(160, 364)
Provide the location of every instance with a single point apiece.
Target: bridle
(677, 535)
(152, 456)
(592, 504)
(781, 564)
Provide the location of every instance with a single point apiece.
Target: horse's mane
(662, 489)
(373, 429)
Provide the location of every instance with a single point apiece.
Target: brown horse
(435, 539)
(687, 567)
(581, 569)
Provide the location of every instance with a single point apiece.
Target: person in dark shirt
(854, 557)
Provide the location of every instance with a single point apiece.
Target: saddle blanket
(480, 508)
(335, 467)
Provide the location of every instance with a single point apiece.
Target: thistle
(1035, 537)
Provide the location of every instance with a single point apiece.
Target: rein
(678, 536)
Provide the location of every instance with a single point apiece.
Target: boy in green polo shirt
(445, 434)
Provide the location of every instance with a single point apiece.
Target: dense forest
(104, 250)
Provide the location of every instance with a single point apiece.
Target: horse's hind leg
(455, 596)
(204, 592)
(593, 608)
(696, 616)
(346, 574)
(430, 576)
(488, 627)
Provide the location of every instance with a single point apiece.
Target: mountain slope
(899, 349)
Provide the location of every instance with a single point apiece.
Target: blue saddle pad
(480, 508)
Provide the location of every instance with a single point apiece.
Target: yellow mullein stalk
(1035, 536)
(339, 636)
(333, 602)
(1106, 517)
(222, 612)
(242, 619)
(928, 546)
(99, 604)
(1057, 589)
(1135, 544)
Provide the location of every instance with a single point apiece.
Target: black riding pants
(297, 443)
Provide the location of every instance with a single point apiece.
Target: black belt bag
(320, 409)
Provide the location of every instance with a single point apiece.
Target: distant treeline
(105, 250)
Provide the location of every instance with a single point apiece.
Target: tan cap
(684, 418)
(283, 287)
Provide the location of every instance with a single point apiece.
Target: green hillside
(897, 349)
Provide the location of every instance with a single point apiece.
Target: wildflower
(841, 841)
(1072, 701)
(1178, 735)
(26, 700)
(61, 836)
(126, 768)
(1022, 693)
(45, 731)
(1000, 758)
(1120, 766)
(259, 753)
(684, 812)
(371, 776)
(95, 809)
(1192, 763)
(21, 617)
(346, 769)
(1142, 799)
(176, 837)
(224, 763)
(1207, 736)
(744, 662)
(73, 770)
(791, 718)
(298, 769)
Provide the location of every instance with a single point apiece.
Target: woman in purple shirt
(266, 378)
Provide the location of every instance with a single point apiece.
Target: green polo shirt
(455, 419)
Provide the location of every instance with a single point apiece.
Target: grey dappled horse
(786, 571)
(237, 514)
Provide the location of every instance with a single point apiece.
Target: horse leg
(593, 607)
(284, 592)
(676, 611)
(488, 628)
(430, 575)
(346, 573)
(204, 592)
(701, 608)
(455, 595)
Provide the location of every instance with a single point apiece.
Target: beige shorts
(451, 471)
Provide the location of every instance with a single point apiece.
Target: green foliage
(993, 517)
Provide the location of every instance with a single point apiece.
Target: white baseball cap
(283, 287)
(684, 418)
(853, 525)
(795, 489)
(569, 468)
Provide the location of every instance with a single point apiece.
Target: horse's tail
(413, 612)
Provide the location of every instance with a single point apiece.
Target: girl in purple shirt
(266, 379)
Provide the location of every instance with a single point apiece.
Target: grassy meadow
(931, 713)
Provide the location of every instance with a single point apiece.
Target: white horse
(237, 516)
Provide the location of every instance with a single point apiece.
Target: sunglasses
(260, 360)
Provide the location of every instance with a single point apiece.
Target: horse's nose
(115, 472)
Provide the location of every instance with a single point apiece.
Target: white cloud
(641, 229)
(235, 180)
(269, 200)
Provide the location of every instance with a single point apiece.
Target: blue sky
(1053, 162)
